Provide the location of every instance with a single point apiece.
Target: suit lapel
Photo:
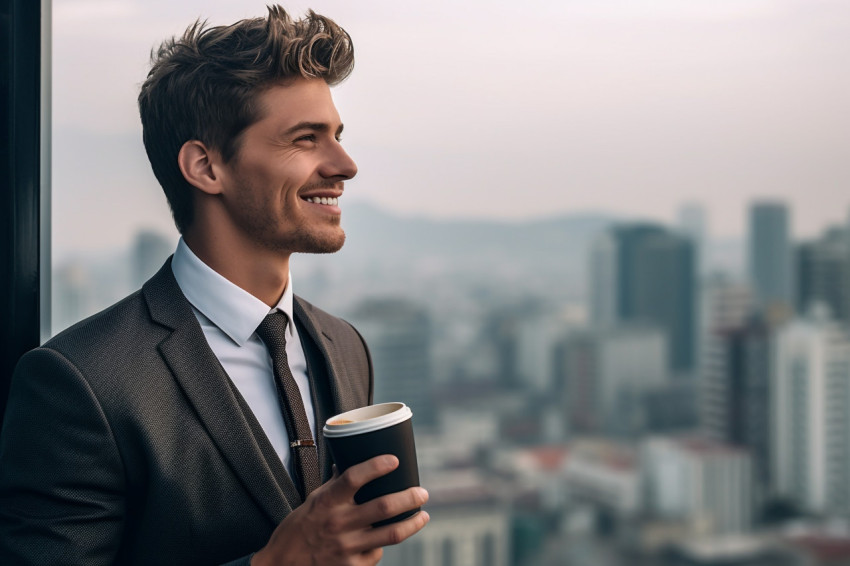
(212, 395)
(330, 387)
(342, 396)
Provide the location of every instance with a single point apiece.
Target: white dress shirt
(229, 317)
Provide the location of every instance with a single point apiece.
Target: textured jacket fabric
(125, 442)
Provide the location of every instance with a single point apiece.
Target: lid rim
(373, 424)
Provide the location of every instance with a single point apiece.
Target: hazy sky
(503, 110)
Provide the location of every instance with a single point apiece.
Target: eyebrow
(314, 126)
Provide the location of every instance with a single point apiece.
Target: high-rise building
(734, 392)
(769, 255)
(823, 274)
(698, 481)
(810, 402)
(644, 273)
(692, 223)
(398, 333)
(606, 374)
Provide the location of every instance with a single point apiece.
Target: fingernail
(422, 494)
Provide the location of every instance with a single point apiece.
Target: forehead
(301, 100)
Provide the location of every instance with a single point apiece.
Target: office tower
(810, 402)
(770, 255)
(537, 334)
(724, 303)
(735, 394)
(644, 273)
(693, 224)
(671, 407)
(804, 268)
(606, 374)
(150, 250)
(823, 274)
(698, 481)
(576, 371)
(604, 280)
(500, 332)
(398, 333)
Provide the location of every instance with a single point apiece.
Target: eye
(307, 138)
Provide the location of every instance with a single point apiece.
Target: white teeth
(323, 200)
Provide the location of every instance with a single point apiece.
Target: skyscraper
(644, 273)
(692, 223)
(606, 374)
(769, 255)
(734, 391)
(398, 333)
(823, 273)
(810, 401)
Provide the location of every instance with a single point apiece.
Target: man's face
(280, 189)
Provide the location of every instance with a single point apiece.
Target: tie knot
(273, 331)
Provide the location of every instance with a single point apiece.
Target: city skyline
(486, 111)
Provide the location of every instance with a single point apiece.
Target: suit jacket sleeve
(61, 475)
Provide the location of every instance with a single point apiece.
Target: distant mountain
(420, 256)
(417, 256)
(373, 230)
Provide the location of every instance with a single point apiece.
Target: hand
(330, 528)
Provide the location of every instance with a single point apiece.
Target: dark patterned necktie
(301, 445)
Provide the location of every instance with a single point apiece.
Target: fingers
(391, 534)
(346, 485)
(390, 505)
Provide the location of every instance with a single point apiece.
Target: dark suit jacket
(126, 443)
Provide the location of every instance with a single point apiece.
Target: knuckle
(321, 499)
(396, 536)
(333, 524)
(385, 506)
(349, 481)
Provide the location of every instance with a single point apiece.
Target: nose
(338, 164)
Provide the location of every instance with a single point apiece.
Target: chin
(319, 243)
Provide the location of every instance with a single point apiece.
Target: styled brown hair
(204, 86)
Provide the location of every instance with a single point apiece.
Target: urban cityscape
(589, 389)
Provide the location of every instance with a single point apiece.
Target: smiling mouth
(333, 201)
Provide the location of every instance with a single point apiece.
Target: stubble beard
(300, 238)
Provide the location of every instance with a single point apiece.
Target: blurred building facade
(810, 402)
(735, 392)
(699, 482)
(607, 373)
(645, 273)
(769, 254)
(822, 271)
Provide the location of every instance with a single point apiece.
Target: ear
(198, 165)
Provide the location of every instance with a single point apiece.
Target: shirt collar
(232, 309)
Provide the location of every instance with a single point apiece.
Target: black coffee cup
(386, 428)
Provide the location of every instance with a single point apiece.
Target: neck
(263, 273)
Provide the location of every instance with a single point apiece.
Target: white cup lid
(367, 419)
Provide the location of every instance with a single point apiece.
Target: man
(162, 430)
